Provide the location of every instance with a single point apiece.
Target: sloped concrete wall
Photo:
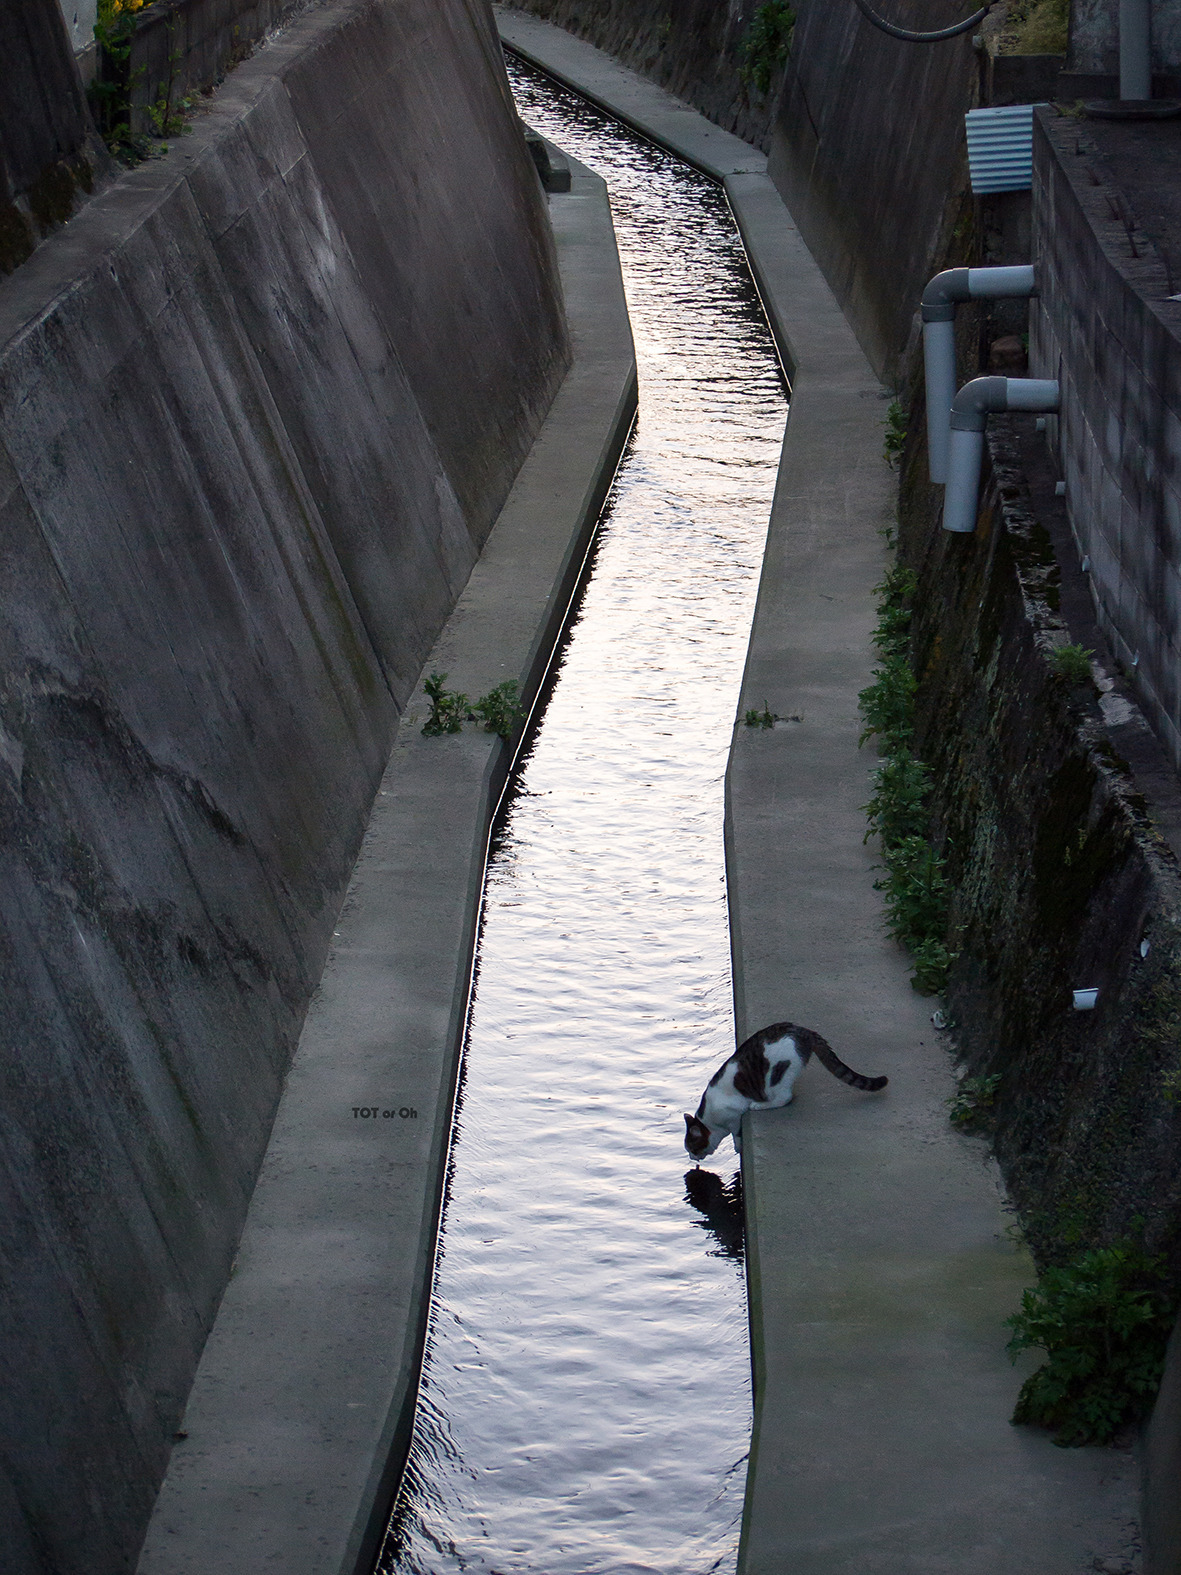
(868, 152)
(259, 405)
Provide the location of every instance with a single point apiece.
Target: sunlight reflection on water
(585, 1405)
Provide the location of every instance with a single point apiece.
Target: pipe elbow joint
(976, 401)
(943, 294)
(947, 289)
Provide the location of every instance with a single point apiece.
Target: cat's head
(699, 1140)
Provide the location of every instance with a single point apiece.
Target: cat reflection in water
(760, 1075)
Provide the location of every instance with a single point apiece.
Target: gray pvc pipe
(969, 413)
(939, 365)
(940, 299)
(1135, 60)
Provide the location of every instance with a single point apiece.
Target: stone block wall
(1104, 326)
(260, 403)
(1061, 879)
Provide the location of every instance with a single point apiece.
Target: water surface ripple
(585, 1404)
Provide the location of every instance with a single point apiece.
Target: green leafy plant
(168, 119)
(449, 709)
(887, 705)
(499, 709)
(916, 892)
(1171, 1086)
(971, 1106)
(1103, 1321)
(110, 92)
(914, 882)
(898, 808)
(895, 432)
(1072, 662)
(767, 44)
(1036, 27)
(895, 595)
(932, 961)
(763, 718)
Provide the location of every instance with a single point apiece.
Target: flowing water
(585, 1401)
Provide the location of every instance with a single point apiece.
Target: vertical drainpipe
(940, 299)
(969, 414)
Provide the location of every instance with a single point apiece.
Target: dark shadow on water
(720, 1202)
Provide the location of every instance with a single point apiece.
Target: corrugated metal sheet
(1000, 148)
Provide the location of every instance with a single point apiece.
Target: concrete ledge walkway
(879, 1264)
(300, 1415)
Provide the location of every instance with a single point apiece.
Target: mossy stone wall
(1060, 878)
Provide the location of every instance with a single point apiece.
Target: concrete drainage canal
(585, 1398)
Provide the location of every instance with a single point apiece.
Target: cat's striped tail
(828, 1057)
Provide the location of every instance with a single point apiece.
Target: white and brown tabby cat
(760, 1075)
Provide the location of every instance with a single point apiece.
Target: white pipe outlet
(969, 413)
(940, 299)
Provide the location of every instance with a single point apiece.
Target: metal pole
(1135, 69)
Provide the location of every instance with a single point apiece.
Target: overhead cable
(912, 37)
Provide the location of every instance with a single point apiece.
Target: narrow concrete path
(880, 1265)
(300, 1414)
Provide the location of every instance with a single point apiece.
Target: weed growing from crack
(887, 706)
(499, 709)
(895, 595)
(895, 439)
(1072, 662)
(449, 709)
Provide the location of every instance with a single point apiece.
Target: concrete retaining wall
(1106, 328)
(259, 405)
(49, 153)
(185, 46)
(1094, 35)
